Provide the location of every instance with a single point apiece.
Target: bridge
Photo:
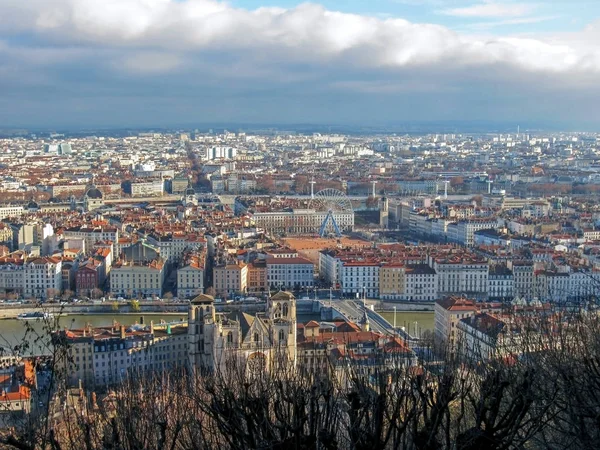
(353, 311)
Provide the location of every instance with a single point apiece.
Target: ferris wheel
(330, 201)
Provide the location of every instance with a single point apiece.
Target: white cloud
(491, 9)
(154, 36)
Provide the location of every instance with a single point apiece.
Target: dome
(94, 193)
(33, 205)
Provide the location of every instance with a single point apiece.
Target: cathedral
(267, 338)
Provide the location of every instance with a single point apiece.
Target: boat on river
(35, 315)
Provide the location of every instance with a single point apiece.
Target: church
(267, 338)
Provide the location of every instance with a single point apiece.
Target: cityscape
(269, 224)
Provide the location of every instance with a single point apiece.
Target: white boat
(35, 315)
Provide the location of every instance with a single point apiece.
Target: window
(256, 338)
(285, 309)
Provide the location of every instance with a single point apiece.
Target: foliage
(135, 305)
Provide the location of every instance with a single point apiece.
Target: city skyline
(135, 63)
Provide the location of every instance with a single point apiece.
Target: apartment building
(360, 278)
(87, 278)
(101, 357)
(290, 273)
(135, 279)
(190, 277)
(448, 311)
(523, 278)
(500, 283)
(463, 231)
(12, 277)
(392, 281)
(421, 283)
(93, 234)
(257, 277)
(460, 273)
(11, 211)
(230, 279)
(43, 277)
(150, 188)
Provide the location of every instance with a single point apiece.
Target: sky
(150, 63)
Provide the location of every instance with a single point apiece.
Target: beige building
(134, 279)
(391, 281)
(266, 339)
(448, 312)
(230, 279)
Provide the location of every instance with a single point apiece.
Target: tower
(201, 332)
(282, 313)
(446, 183)
(383, 212)
(364, 322)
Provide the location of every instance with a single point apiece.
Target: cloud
(491, 9)
(207, 52)
(308, 33)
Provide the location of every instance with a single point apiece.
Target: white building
(360, 277)
(500, 283)
(420, 283)
(153, 188)
(290, 273)
(461, 274)
(464, 230)
(220, 153)
(11, 211)
(43, 277)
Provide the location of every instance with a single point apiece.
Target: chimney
(141, 320)
(122, 331)
(152, 326)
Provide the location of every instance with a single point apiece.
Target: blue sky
(167, 62)
(541, 16)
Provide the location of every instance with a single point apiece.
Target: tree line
(543, 393)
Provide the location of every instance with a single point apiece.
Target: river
(15, 332)
(420, 321)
